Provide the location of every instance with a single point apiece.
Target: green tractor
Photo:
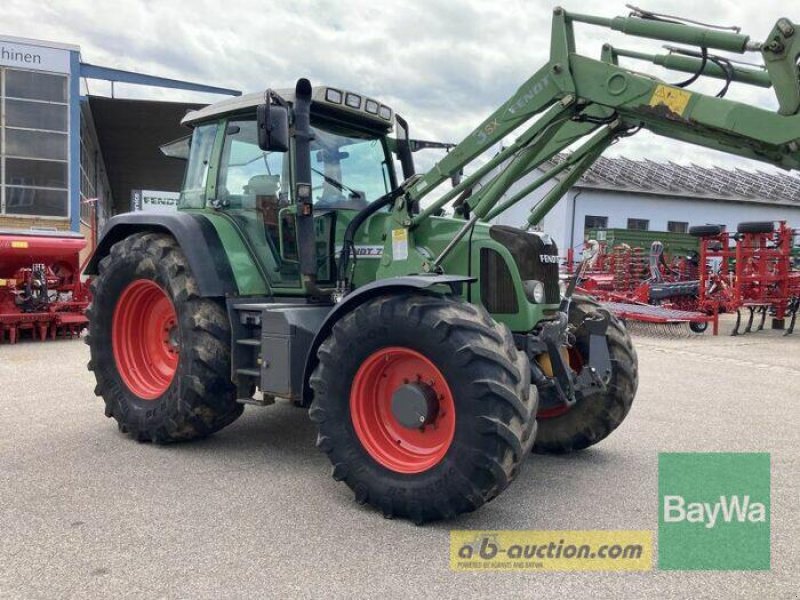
(433, 353)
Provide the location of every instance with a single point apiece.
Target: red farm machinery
(647, 288)
(751, 269)
(41, 293)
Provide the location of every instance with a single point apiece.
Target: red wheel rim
(144, 339)
(576, 364)
(392, 445)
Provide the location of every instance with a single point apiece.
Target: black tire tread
(506, 425)
(705, 230)
(206, 399)
(755, 227)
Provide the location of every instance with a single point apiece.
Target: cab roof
(343, 103)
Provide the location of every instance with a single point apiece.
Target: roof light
(353, 100)
(385, 112)
(332, 95)
(371, 106)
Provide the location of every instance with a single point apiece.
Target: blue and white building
(645, 195)
(68, 159)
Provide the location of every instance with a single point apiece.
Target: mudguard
(364, 293)
(196, 236)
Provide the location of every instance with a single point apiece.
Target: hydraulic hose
(355, 224)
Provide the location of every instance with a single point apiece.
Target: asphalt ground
(252, 512)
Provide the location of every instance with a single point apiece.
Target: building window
(34, 144)
(639, 224)
(593, 222)
(677, 226)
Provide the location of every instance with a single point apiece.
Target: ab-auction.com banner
(713, 514)
(551, 550)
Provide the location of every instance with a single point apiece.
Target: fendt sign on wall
(39, 58)
(154, 201)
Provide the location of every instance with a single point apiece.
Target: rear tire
(154, 396)
(471, 357)
(705, 230)
(592, 419)
(755, 227)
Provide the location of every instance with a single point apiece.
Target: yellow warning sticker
(19, 244)
(400, 244)
(673, 98)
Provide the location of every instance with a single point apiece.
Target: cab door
(253, 188)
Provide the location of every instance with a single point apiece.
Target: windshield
(347, 171)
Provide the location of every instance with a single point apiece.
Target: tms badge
(549, 258)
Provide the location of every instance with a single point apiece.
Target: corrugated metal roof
(624, 174)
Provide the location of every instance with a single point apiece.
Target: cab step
(249, 373)
(265, 400)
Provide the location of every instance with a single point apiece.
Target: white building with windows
(645, 195)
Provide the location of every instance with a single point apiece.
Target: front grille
(527, 249)
(497, 286)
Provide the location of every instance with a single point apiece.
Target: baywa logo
(714, 511)
(729, 508)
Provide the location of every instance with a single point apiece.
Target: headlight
(534, 290)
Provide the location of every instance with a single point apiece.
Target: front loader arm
(693, 117)
(575, 96)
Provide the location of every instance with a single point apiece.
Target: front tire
(160, 353)
(592, 419)
(472, 442)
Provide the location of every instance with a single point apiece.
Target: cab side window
(250, 177)
(193, 193)
(253, 186)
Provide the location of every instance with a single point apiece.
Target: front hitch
(562, 381)
(596, 373)
(556, 335)
(553, 336)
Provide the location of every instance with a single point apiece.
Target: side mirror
(273, 127)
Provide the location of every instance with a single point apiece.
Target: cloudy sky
(444, 65)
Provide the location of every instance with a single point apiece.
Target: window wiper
(336, 183)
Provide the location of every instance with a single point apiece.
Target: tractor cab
(254, 186)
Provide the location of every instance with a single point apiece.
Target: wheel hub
(145, 339)
(414, 405)
(402, 410)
